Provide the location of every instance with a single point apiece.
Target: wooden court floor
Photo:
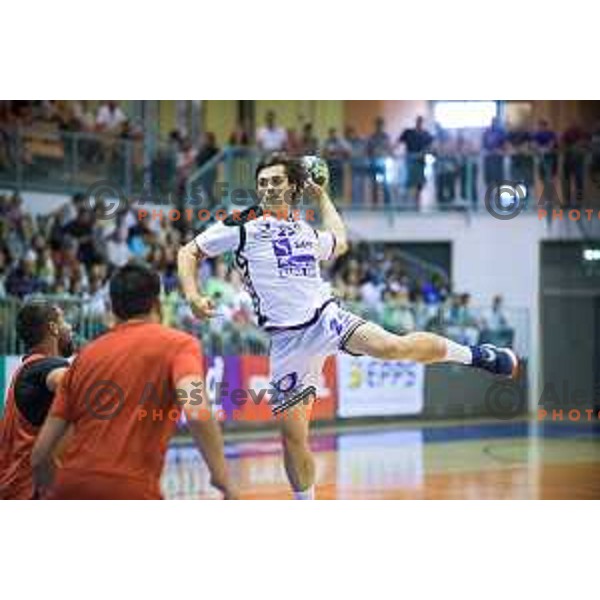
(483, 460)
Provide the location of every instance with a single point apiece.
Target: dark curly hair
(33, 319)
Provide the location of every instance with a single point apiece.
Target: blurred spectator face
(28, 265)
(210, 139)
(76, 288)
(497, 302)
(379, 124)
(99, 271)
(70, 250)
(332, 133)
(419, 123)
(270, 119)
(350, 133)
(170, 256)
(38, 243)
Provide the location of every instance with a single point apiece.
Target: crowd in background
(75, 116)
(70, 254)
(380, 168)
(460, 159)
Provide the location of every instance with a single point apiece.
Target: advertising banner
(368, 387)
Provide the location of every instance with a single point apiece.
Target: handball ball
(317, 169)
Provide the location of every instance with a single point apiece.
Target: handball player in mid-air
(278, 256)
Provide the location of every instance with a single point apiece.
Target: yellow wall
(220, 117)
(398, 114)
(293, 114)
(167, 117)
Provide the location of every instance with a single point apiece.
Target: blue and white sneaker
(500, 361)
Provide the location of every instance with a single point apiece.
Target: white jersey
(279, 262)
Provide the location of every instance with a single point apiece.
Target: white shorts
(297, 355)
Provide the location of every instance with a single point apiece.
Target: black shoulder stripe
(242, 244)
(242, 218)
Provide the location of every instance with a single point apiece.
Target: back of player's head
(33, 319)
(134, 290)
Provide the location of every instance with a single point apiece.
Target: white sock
(307, 494)
(458, 353)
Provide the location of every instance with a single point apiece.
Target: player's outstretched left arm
(330, 217)
(188, 258)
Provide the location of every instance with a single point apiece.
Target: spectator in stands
(109, 120)
(217, 285)
(379, 148)
(240, 138)
(110, 117)
(359, 165)
(117, 248)
(294, 142)
(446, 170)
(418, 142)
(371, 291)
(521, 160)
(82, 229)
(495, 325)
(271, 137)
(595, 150)
(208, 150)
(574, 147)
(468, 168)
(45, 269)
(82, 116)
(185, 162)
(460, 320)
(397, 314)
(430, 292)
(22, 280)
(545, 143)
(493, 144)
(422, 313)
(309, 143)
(335, 151)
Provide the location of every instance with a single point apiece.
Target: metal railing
(69, 162)
(426, 182)
(51, 160)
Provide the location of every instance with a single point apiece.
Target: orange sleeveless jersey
(17, 437)
(119, 397)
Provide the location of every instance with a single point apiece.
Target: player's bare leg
(298, 459)
(424, 347)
